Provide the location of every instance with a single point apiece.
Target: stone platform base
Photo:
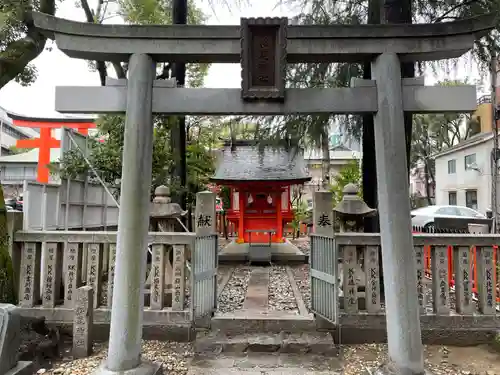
(145, 368)
(280, 252)
(22, 368)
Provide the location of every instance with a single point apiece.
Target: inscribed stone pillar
(124, 352)
(83, 321)
(399, 262)
(205, 213)
(323, 213)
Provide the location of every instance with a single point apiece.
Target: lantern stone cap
(162, 206)
(352, 204)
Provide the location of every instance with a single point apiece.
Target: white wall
(463, 179)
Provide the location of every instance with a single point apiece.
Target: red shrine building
(260, 181)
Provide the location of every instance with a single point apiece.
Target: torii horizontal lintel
(38, 143)
(222, 44)
(203, 101)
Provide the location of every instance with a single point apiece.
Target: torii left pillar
(124, 354)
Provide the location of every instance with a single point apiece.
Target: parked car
(19, 203)
(10, 203)
(424, 217)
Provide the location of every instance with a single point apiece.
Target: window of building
(452, 198)
(10, 130)
(471, 199)
(469, 160)
(452, 166)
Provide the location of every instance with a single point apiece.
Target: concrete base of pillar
(145, 368)
(390, 370)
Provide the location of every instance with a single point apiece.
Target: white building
(9, 134)
(339, 157)
(464, 173)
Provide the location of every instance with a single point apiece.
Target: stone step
(242, 322)
(252, 363)
(318, 343)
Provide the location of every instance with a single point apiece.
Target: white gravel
(173, 356)
(233, 295)
(281, 297)
(303, 244)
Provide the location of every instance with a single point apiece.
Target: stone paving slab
(257, 296)
(297, 343)
(264, 363)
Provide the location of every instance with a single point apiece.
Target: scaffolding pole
(494, 153)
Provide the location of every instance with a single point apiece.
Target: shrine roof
(252, 163)
(66, 119)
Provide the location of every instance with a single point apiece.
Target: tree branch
(20, 53)
(446, 14)
(100, 65)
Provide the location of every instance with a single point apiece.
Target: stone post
(83, 321)
(124, 353)
(399, 261)
(205, 213)
(323, 213)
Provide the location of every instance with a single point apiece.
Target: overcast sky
(56, 69)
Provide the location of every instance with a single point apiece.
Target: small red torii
(46, 142)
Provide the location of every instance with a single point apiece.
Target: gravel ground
(356, 359)
(303, 244)
(440, 360)
(173, 356)
(301, 276)
(233, 295)
(281, 295)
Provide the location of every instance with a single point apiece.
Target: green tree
(349, 174)
(20, 41)
(368, 11)
(20, 44)
(105, 155)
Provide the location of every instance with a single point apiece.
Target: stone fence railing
(456, 279)
(50, 267)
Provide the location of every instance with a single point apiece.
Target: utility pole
(178, 131)
(494, 154)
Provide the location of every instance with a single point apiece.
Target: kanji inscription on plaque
(263, 58)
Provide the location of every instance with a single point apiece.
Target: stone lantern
(164, 215)
(352, 210)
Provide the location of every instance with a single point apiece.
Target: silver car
(424, 217)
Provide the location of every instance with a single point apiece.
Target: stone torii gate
(264, 46)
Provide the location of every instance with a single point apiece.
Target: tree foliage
(105, 155)
(106, 147)
(20, 41)
(349, 174)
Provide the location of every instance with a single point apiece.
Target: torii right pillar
(398, 258)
